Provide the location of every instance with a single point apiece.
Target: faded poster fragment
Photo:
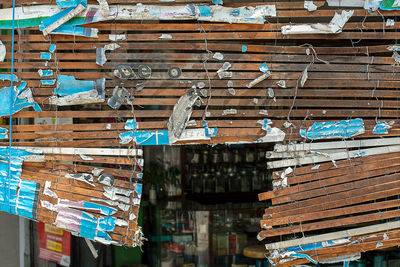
(340, 129)
(75, 92)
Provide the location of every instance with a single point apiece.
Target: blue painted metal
(339, 129)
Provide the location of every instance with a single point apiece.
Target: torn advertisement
(304, 76)
(117, 37)
(153, 138)
(50, 24)
(17, 196)
(390, 5)
(258, 80)
(120, 94)
(382, 127)
(181, 114)
(123, 207)
(223, 73)
(52, 48)
(245, 14)
(86, 225)
(389, 22)
(21, 98)
(125, 72)
(48, 81)
(101, 58)
(371, 5)
(76, 31)
(165, 36)
(45, 55)
(120, 194)
(273, 134)
(340, 129)
(3, 133)
(70, 91)
(70, 3)
(33, 16)
(104, 7)
(83, 177)
(47, 191)
(97, 171)
(344, 259)
(2, 51)
(145, 137)
(45, 73)
(310, 6)
(335, 26)
(104, 210)
(346, 3)
(106, 179)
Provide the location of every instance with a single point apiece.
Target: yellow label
(54, 245)
(53, 230)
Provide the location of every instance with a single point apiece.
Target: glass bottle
(205, 156)
(215, 156)
(256, 180)
(237, 158)
(250, 155)
(225, 156)
(219, 182)
(245, 184)
(197, 183)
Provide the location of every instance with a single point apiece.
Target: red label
(55, 244)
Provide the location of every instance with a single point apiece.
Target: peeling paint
(21, 98)
(70, 91)
(45, 73)
(45, 55)
(382, 127)
(340, 129)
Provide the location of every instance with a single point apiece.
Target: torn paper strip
(310, 6)
(335, 26)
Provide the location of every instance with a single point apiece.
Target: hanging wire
(10, 108)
